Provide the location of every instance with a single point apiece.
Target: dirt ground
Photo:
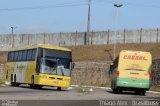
(105, 52)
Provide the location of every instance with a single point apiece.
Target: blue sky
(53, 16)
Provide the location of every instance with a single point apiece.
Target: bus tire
(143, 92)
(12, 83)
(15, 81)
(112, 86)
(138, 92)
(120, 91)
(114, 89)
(39, 86)
(59, 88)
(32, 85)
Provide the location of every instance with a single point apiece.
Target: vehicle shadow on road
(124, 92)
(43, 89)
(148, 97)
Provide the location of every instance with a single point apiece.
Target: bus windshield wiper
(54, 69)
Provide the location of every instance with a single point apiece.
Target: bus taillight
(117, 73)
(150, 75)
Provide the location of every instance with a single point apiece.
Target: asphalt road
(77, 96)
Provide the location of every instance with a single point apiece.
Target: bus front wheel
(15, 81)
(32, 85)
(59, 88)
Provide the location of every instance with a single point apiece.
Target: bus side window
(33, 54)
(15, 56)
(38, 65)
(9, 57)
(29, 55)
(19, 56)
(12, 56)
(24, 55)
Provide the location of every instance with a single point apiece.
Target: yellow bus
(39, 65)
(131, 70)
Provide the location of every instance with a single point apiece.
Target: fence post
(124, 36)
(85, 38)
(44, 40)
(157, 34)
(12, 41)
(141, 35)
(76, 38)
(28, 39)
(60, 39)
(92, 37)
(108, 36)
(21, 39)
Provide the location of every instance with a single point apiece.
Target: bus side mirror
(73, 65)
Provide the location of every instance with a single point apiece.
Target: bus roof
(40, 46)
(135, 51)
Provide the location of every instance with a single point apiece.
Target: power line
(141, 5)
(79, 3)
(129, 3)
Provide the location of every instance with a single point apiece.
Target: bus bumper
(129, 83)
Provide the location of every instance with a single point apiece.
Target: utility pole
(88, 23)
(12, 28)
(89, 10)
(116, 5)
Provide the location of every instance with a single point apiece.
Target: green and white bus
(131, 70)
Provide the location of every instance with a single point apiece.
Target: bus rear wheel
(114, 89)
(32, 85)
(12, 83)
(39, 86)
(140, 92)
(143, 92)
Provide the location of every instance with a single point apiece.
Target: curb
(154, 92)
(108, 88)
(85, 86)
(3, 85)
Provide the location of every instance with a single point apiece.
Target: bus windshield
(57, 66)
(54, 62)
